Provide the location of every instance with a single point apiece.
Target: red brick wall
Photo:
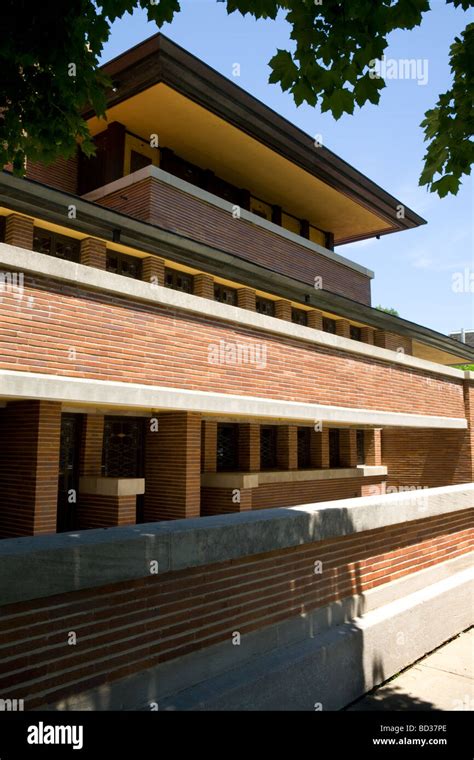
(61, 174)
(223, 501)
(98, 511)
(173, 467)
(154, 201)
(29, 467)
(309, 491)
(426, 457)
(117, 339)
(127, 627)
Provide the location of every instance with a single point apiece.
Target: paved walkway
(443, 680)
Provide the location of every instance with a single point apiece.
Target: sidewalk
(443, 680)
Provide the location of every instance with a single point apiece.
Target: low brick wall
(215, 501)
(267, 570)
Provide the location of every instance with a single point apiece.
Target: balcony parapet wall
(157, 197)
(63, 563)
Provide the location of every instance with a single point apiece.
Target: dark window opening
(329, 325)
(268, 458)
(127, 266)
(265, 306)
(304, 448)
(225, 295)
(60, 246)
(227, 447)
(178, 280)
(360, 447)
(122, 455)
(334, 455)
(299, 317)
(2, 229)
(138, 161)
(355, 332)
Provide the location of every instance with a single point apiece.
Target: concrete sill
(255, 479)
(112, 486)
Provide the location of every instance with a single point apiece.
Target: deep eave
(158, 59)
(38, 200)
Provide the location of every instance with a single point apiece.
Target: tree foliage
(50, 70)
(388, 310)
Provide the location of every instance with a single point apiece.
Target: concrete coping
(56, 564)
(78, 275)
(103, 486)
(245, 480)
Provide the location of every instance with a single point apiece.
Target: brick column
(348, 447)
(204, 286)
(469, 409)
(367, 335)
(315, 319)
(19, 231)
(209, 446)
(98, 511)
(287, 447)
(94, 253)
(393, 342)
(373, 446)
(172, 467)
(246, 299)
(283, 310)
(153, 270)
(343, 328)
(30, 433)
(90, 459)
(319, 448)
(249, 447)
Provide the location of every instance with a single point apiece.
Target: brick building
(178, 336)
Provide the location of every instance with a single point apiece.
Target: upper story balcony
(169, 202)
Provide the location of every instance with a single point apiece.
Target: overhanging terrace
(159, 83)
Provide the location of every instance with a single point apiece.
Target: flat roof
(159, 85)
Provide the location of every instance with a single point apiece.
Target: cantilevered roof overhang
(160, 88)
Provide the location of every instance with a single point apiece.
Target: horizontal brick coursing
(118, 339)
(429, 458)
(275, 495)
(154, 201)
(98, 511)
(127, 627)
(61, 174)
(29, 467)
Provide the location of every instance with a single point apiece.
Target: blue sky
(413, 269)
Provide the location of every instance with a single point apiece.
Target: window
(329, 325)
(2, 229)
(291, 223)
(227, 447)
(317, 236)
(60, 246)
(299, 317)
(138, 153)
(260, 208)
(123, 447)
(127, 266)
(138, 161)
(356, 333)
(360, 447)
(265, 306)
(334, 457)
(268, 459)
(178, 280)
(224, 294)
(304, 448)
